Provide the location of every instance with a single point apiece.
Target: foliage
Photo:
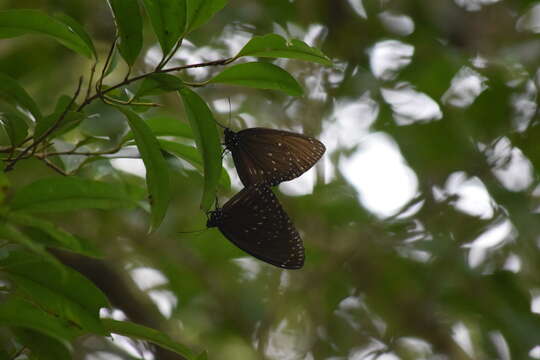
(46, 304)
(444, 91)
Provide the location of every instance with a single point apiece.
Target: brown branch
(87, 153)
(107, 62)
(73, 151)
(139, 77)
(40, 139)
(124, 157)
(54, 166)
(19, 353)
(89, 88)
(88, 99)
(167, 58)
(121, 292)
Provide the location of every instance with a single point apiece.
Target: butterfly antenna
(220, 125)
(230, 111)
(191, 232)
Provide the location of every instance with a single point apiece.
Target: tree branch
(90, 98)
(139, 77)
(58, 122)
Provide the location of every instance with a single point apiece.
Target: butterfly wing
(249, 172)
(273, 156)
(254, 221)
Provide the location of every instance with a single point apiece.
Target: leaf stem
(31, 149)
(18, 353)
(89, 88)
(88, 153)
(53, 165)
(40, 139)
(167, 58)
(139, 77)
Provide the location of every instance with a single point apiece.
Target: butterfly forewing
(272, 156)
(255, 222)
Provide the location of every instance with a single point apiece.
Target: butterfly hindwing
(272, 156)
(248, 169)
(254, 221)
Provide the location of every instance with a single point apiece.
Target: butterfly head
(214, 218)
(231, 139)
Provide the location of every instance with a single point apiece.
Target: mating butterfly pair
(253, 219)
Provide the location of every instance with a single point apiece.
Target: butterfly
(254, 221)
(271, 156)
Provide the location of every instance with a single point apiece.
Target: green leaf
(128, 20)
(41, 346)
(4, 186)
(207, 138)
(79, 30)
(259, 75)
(70, 120)
(52, 236)
(168, 18)
(21, 313)
(200, 11)
(71, 193)
(188, 153)
(14, 123)
(11, 91)
(191, 155)
(275, 46)
(64, 293)
(157, 84)
(202, 356)
(57, 303)
(136, 331)
(45, 124)
(22, 21)
(113, 63)
(157, 171)
(166, 126)
(10, 233)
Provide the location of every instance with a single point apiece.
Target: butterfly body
(254, 221)
(214, 218)
(269, 156)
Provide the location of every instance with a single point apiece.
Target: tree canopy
(419, 222)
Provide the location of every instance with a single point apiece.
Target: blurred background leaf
(420, 223)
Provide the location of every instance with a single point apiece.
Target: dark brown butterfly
(254, 221)
(271, 156)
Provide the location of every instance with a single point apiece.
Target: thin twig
(89, 89)
(111, 101)
(139, 77)
(100, 94)
(195, 84)
(123, 157)
(18, 353)
(11, 150)
(75, 147)
(190, 66)
(45, 147)
(54, 166)
(107, 61)
(88, 153)
(99, 83)
(167, 58)
(127, 74)
(37, 141)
